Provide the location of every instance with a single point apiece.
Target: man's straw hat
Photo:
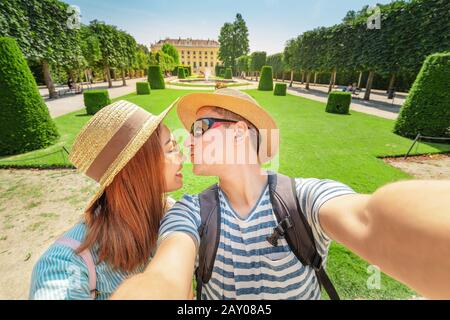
(112, 138)
(239, 103)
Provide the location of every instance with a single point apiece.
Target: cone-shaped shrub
(25, 123)
(228, 73)
(182, 73)
(280, 89)
(95, 100)
(266, 80)
(142, 88)
(427, 108)
(155, 78)
(339, 102)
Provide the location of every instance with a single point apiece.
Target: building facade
(201, 55)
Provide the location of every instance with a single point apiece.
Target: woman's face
(173, 160)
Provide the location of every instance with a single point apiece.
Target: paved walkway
(378, 106)
(73, 102)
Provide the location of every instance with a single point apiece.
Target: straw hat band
(117, 143)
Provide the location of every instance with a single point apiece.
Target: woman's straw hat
(112, 138)
(239, 103)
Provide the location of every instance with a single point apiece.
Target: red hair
(123, 224)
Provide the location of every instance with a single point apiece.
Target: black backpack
(292, 225)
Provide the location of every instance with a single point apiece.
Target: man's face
(216, 149)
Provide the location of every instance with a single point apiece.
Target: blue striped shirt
(61, 274)
(247, 266)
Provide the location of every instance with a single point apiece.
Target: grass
(314, 144)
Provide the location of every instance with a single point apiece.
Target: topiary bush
(427, 108)
(266, 80)
(25, 123)
(182, 73)
(155, 78)
(280, 89)
(189, 71)
(228, 74)
(142, 88)
(339, 102)
(95, 100)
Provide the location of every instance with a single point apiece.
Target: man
(404, 228)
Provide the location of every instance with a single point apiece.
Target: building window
(194, 52)
(200, 64)
(195, 64)
(182, 51)
(206, 64)
(212, 53)
(189, 63)
(189, 52)
(212, 64)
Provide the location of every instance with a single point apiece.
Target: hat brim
(189, 105)
(130, 151)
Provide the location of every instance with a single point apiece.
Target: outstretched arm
(168, 276)
(403, 228)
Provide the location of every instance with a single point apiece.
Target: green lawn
(314, 144)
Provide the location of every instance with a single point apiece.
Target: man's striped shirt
(247, 266)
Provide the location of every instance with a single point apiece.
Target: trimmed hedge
(228, 74)
(427, 108)
(155, 78)
(142, 88)
(25, 123)
(189, 71)
(182, 73)
(266, 80)
(339, 102)
(280, 89)
(95, 100)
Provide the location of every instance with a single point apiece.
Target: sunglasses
(200, 126)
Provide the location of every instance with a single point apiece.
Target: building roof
(189, 42)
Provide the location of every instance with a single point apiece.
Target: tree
(42, 32)
(258, 60)
(107, 36)
(233, 41)
(427, 108)
(266, 81)
(25, 124)
(243, 65)
(170, 50)
(277, 64)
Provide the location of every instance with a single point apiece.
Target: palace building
(201, 55)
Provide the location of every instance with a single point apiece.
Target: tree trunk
(124, 82)
(369, 85)
(391, 83)
(315, 77)
(308, 77)
(108, 76)
(282, 76)
(303, 77)
(360, 79)
(292, 79)
(332, 80)
(48, 80)
(114, 71)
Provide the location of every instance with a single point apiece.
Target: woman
(136, 162)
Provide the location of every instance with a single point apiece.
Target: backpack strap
(88, 260)
(209, 232)
(294, 226)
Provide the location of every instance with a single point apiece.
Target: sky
(270, 22)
